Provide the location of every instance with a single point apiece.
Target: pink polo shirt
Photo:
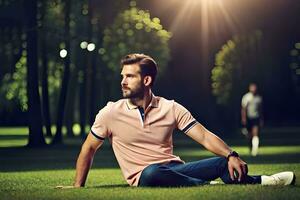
(137, 140)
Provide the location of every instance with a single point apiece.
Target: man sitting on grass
(140, 128)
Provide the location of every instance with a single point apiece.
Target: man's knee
(221, 161)
(151, 175)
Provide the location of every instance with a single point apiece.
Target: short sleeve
(184, 119)
(100, 127)
(245, 100)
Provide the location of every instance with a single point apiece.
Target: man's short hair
(147, 64)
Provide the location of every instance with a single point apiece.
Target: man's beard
(134, 93)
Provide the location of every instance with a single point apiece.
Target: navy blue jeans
(175, 174)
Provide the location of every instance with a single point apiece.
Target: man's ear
(147, 80)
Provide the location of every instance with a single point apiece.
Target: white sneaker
(214, 182)
(282, 178)
(254, 151)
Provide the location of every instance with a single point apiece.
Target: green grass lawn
(33, 173)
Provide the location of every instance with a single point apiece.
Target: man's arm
(85, 159)
(216, 145)
(243, 116)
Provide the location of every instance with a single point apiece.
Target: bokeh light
(63, 53)
(83, 45)
(91, 47)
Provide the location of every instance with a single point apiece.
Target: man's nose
(123, 82)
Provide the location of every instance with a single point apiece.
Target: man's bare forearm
(215, 144)
(85, 159)
(209, 140)
(243, 116)
(83, 165)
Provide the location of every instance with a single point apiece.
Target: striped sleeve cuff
(97, 136)
(189, 126)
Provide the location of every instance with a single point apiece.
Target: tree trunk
(86, 85)
(45, 92)
(91, 74)
(82, 104)
(64, 88)
(36, 137)
(70, 107)
(93, 89)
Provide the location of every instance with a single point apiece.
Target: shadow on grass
(50, 158)
(13, 137)
(64, 157)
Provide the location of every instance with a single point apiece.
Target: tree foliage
(133, 31)
(13, 86)
(236, 64)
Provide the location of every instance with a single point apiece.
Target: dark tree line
(36, 137)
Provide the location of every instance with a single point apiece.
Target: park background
(59, 64)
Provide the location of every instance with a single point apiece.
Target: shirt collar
(153, 103)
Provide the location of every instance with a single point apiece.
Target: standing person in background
(252, 118)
